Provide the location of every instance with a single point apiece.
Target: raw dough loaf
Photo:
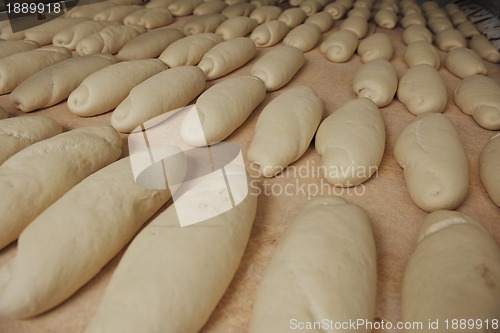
(458, 17)
(227, 56)
(483, 47)
(43, 34)
(468, 29)
(351, 143)
(376, 80)
(148, 45)
(479, 96)
(311, 7)
(20, 132)
(439, 24)
(315, 271)
(150, 18)
(356, 24)
(3, 114)
(464, 62)
(453, 273)
(106, 89)
(489, 164)
(233, 27)
(435, 165)
(210, 7)
(376, 46)
(289, 122)
(189, 50)
(203, 23)
(55, 83)
(58, 254)
(109, 40)
(292, 17)
(183, 7)
(116, 13)
(89, 10)
(421, 89)
(415, 33)
(159, 3)
(264, 14)
(304, 37)
(163, 92)
(16, 68)
(221, 110)
(336, 10)
(68, 158)
(413, 19)
(323, 20)
(340, 46)
(361, 12)
(238, 9)
(422, 52)
(8, 48)
(269, 33)
(386, 18)
(71, 36)
(450, 38)
(278, 66)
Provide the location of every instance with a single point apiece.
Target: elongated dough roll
(356, 24)
(16, 68)
(3, 114)
(438, 24)
(166, 91)
(221, 110)
(264, 14)
(20, 132)
(434, 161)
(314, 273)
(148, 45)
(8, 48)
(68, 158)
(311, 7)
(269, 33)
(89, 10)
(183, 7)
(422, 52)
(189, 51)
(483, 47)
(70, 37)
(238, 9)
(464, 62)
(468, 29)
(386, 18)
(227, 56)
(109, 40)
(336, 10)
(203, 23)
(292, 17)
(351, 143)
(105, 211)
(233, 27)
(415, 33)
(116, 13)
(323, 20)
(340, 46)
(479, 96)
(458, 17)
(413, 19)
(106, 89)
(361, 12)
(304, 37)
(421, 89)
(55, 83)
(150, 18)
(377, 80)
(489, 164)
(376, 46)
(6, 33)
(159, 3)
(43, 34)
(453, 273)
(450, 38)
(210, 7)
(289, 122)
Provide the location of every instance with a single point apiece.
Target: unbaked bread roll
(451, 8)
(351, 143)
(269, 33)
(315, 272)
(435, 165)
(227, 56)
(239, 26)
(376, 46)
(468, 29)
(464, 62)
(221, 109)
(109, 40)
(44, 33)
(68, 158)
(89, 10)
(289, 122)
(489, 164)
(304, 37)
(55, 83)
(116, 13)
(421, 89)
(292, 17)
(203, 23)
(311, 6)
(183, 7)
(413, 19)
(148, 45)
(479, 96)
(386, 18)
(159, 3)
(238, 9)
(16, 68)
(415, 33)
(429, 6)
(356, 24)
(340, 46)
(377, 80)
(323, 20)
(3, 114)
(149, 18)
(438, 24)
(8, 48)
(450, 38)
(70, 37)
(453, 273)
(422, 52)
(210, 7)
(361, 12)
(483, 47)
(458, 17)
(437, 13)
(6, 32)
(20, 132)
(189, 51)
(106, 89)
(336, 10)
(264, 14)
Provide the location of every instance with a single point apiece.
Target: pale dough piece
(210, 7)
(336, 10)
(70, 37)
(43, 34)
(368, 4)
(238, 9)
(421, 52)
(386, 18)
(106, 89)
(458, 17)
(451, 8)
(89, 10)
(315, 271)
(304, 37)
(351, 143)
(264, 14)
(68, 158)
(269, 33)
(16, 68)
(483, 47)
(479, 96)
(278, 66)
(109, 40)
(148, 45)
(435, 165)
(376, 46)
(323, 20)
(159, 3)
(259, 3)
(421, 89)
(454, 272)
(116, 13)
(377, 80)
(227, 56)
(450, 38)
(361, 12)
(20, 132)
(340, 46)
(295, 3)
(292, 17)
(464, 62)
(489, 164)
(439, 24)
(356, 24)
(8, 48)
(163, 92)
(410, 8)
(289, 122)
(346, 3)
(183, 7)
(437, 13)
(468, 29)
(429, 6)
(416, 33)
(166, 264)
(3, 114)
(239, 26)
(221, 110)
(311, 7)
(189, 50)
(203, 23)
(413, 19)
(150, 18)
(55, 83)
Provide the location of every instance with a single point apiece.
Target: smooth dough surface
(8, 48)
(304, 37)
(360, 11)
(148, 45)
(109, 40)
(238, 9)
(468, 29)
(416, 33)
(89, 10)
(483, 47)
(336, 10)
(264, 14)
(449, 39)
(311, 7)
(239, 26)
(413, 19)
(210, 7)
(116, 13)
(422, 52)
(323, 20)
(376, 46)
(70, 37)
(435, 165)
(464, 62)
(386, 18)
(376, 80)
(438, 24)
(3, 114)
(292, 17)
(43, 34)
(489, 164)
(203, 23)
(189, 51)
(183, 7)
(269, 33)
(159, 3)
(150, 18)
(340, 46)
(356, 24)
